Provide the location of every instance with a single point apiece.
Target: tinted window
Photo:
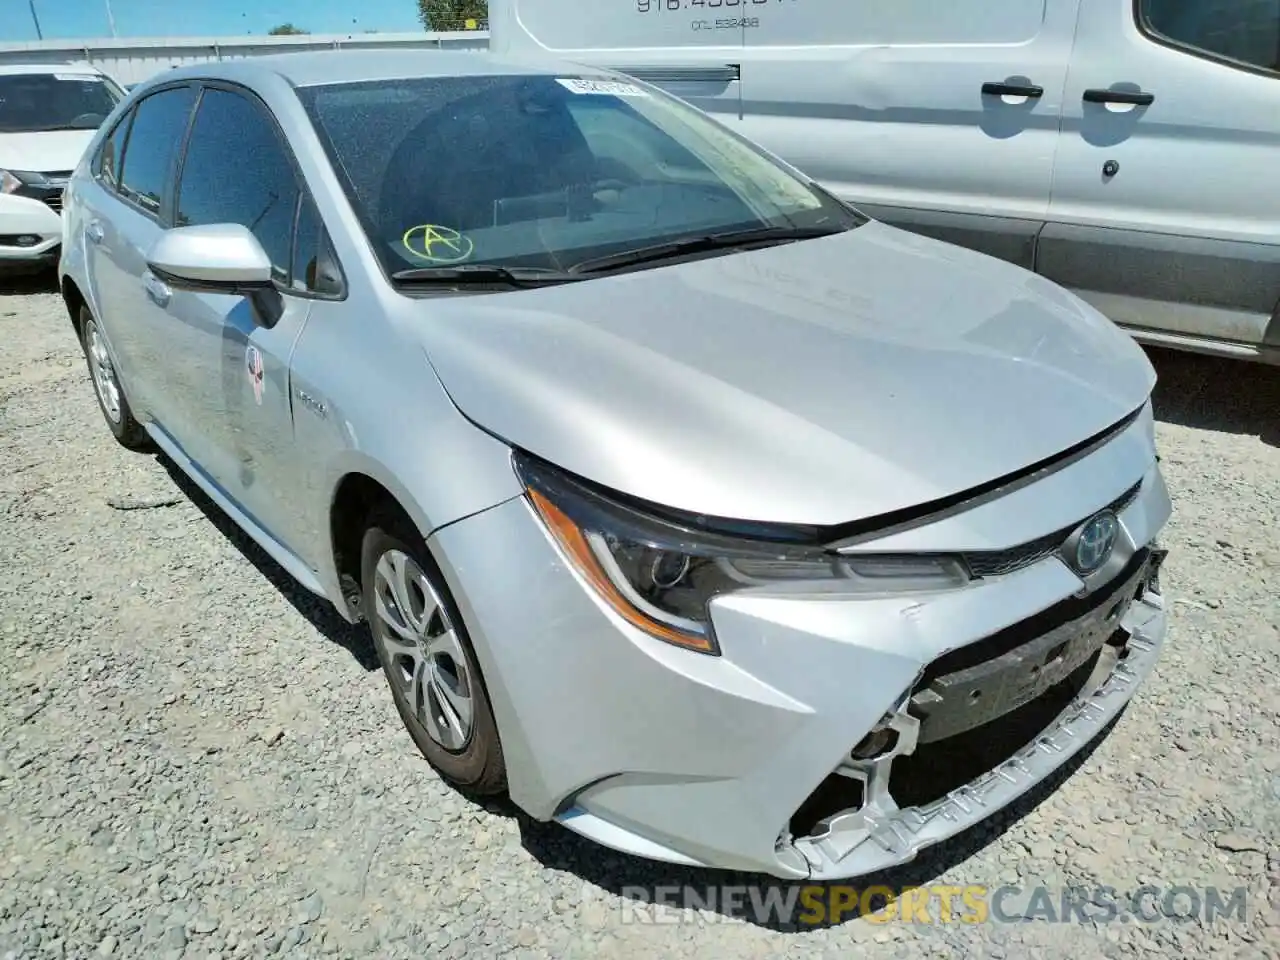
(52, 101)
(545, 171)
(159, 123)
(314, 266)
(237, 171)
(1245, 31)
(108, 163)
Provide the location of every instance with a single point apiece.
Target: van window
(639, 24)
(1243, 32)
(546, 171)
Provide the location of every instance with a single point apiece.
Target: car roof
(353, 66)
(36, 69)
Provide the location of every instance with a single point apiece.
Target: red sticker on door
(253, 364)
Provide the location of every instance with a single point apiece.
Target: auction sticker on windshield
(428, 241)
(605, 88)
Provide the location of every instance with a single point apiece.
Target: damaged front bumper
(880, 833)
(823, 743)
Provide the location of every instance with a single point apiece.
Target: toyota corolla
(686, 505)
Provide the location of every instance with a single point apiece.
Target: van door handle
(993, 89)
(157, 289)
(93, 230)
(1138, 99)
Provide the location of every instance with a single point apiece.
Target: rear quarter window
(106, 165)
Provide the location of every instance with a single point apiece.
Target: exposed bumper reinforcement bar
(881, 834)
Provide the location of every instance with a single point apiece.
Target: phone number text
(677, 6)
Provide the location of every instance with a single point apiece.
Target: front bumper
(30, 231)
(713, 761)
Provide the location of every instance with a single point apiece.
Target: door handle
(1137, 99)
(157, 289)
(93, 230)
(993, 89)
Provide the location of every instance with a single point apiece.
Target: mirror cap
(212, 255)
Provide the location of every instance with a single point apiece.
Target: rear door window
(159, 124)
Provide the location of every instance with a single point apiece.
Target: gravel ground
(198, 760)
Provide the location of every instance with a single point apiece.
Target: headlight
(11, 181)
(659, 570)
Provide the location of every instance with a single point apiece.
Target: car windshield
(547, 172)
(32, 102)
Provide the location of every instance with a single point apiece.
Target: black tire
(128, 432)
(478, 768)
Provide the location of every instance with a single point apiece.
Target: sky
(83, 19)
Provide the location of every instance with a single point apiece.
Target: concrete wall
(133, 60)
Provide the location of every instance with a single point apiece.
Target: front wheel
(428, 660)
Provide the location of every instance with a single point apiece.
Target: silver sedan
(686, 504)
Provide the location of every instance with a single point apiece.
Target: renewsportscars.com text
(939, 903)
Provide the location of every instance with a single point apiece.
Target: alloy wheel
(104, 374)
(428, 667)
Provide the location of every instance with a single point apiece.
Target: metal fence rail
(132, 60)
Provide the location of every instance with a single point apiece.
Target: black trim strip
(846, 534)
(729, 73)
(888, 524)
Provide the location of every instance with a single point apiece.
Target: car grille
(975, 684)
(998, 563)
(49, 192)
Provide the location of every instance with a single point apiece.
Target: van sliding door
(936, 117)
(1165, 211)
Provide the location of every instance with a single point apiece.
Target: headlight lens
(12, 181)
(661, 572)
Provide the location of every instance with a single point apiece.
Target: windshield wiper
(482, 273)
(710, 242)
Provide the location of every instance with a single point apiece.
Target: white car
(48, 115)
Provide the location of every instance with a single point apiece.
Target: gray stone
(309, 910)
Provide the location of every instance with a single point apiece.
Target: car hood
(51, 151)
(819, 382)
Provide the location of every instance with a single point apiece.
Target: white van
(1126, 149)
(48, 115)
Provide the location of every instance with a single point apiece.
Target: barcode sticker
(603, 88)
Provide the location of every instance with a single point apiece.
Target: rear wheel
(427, 658)
(106, 386)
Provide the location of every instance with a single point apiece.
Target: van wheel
(106, 386)
(427, 658)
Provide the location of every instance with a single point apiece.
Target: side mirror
(218, 258)
(222, 257)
